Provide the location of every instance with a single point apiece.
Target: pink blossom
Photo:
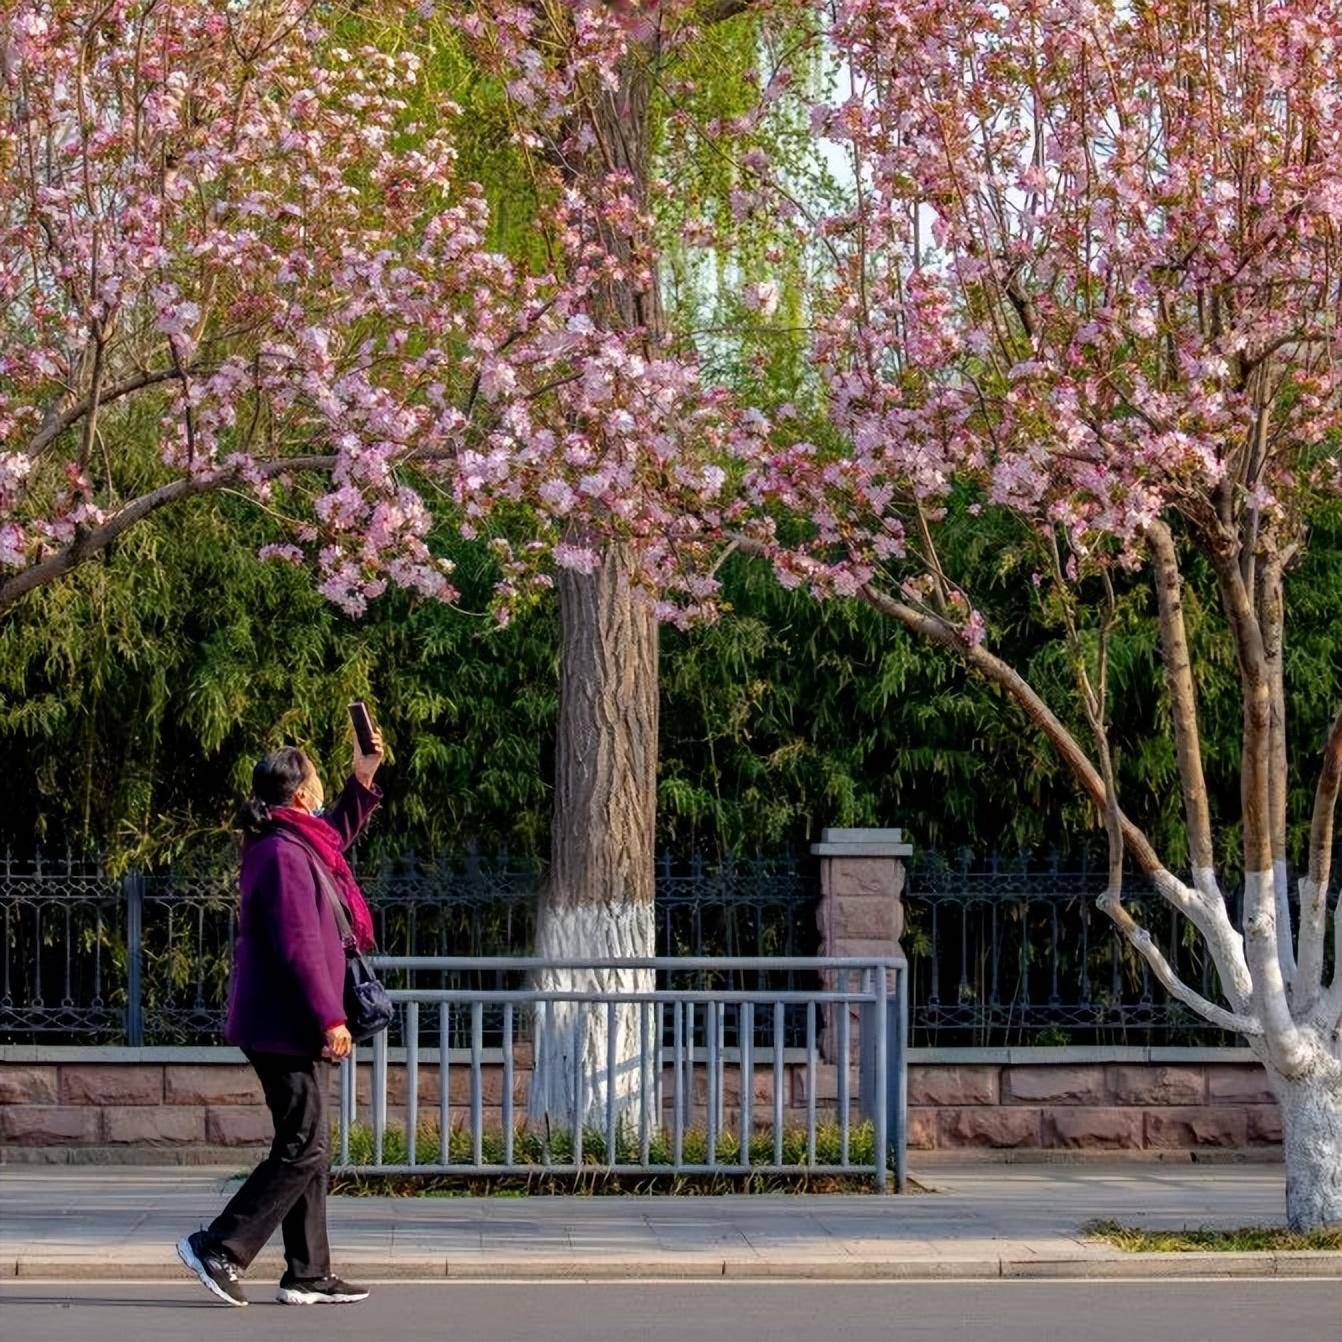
(287, 554)
(579, 558)
(761, 297)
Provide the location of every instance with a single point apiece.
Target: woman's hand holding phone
(368, 749)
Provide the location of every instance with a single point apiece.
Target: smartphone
(363, 726)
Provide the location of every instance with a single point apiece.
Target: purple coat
(288, 979)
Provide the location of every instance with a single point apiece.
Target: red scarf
(326, 841)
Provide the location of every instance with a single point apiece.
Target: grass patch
(531, 1149)
(1206, 1239)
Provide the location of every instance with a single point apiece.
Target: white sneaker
(331, 1291)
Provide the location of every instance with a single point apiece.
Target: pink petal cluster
(222, 214)
(1087, 270)
(1065, 271)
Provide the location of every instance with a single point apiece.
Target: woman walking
(286, 1012)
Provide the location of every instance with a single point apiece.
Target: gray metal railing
(684, 1035)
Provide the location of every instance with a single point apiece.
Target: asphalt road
(1268, 1310)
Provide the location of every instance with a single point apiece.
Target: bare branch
(1261, 932)
(57, 424)
(1271, 617)
(1027, 698)
(1140, 940)
(1024, 307)
(1094, 699)
(1256, 692)
(1249, 362)
(1208, 915)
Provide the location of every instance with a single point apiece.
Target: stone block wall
(130, 1107)
(163, 1104)
(1093, 1106)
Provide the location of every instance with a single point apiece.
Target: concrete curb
(1135, 1266)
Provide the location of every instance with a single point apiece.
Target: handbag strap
(327, 886)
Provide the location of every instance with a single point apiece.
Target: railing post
(866, 1049)
(346, 1083)
(897, 1077)
(132, 887)
(379, 1095)
(882, 1033)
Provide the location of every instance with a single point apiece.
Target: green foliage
(530, 1146)
(532, 1149)
(134, 696)
(1208, 1239)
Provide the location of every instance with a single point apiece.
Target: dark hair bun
(275, 779)
(253, 816)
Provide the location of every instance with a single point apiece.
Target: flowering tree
(230, 236)
(1088, 274)
(184, 251)
(640, 449)
(227, 234)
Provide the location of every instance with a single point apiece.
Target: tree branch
(1183, 705)
(57, 424)
(90, 543)
(1111, 901)
(1271, 617)
(1209, 916)
(1314, 885)
(1140, 940)
(1261, 932)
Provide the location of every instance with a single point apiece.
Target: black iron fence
(999, 952)
(144, 958)
(1014, 952)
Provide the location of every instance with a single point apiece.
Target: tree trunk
(599, 899)
(1311, 1114)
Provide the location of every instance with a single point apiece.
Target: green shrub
(529, 1146)
(532, 1152)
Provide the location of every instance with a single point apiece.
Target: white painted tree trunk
(572, 1040)
(598, 901)
(1311, 1114)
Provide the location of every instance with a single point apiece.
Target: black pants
(288, 1188)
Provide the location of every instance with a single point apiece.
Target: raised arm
(349, 813)
(359, 797)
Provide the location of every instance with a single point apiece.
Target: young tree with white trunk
(1090, 273)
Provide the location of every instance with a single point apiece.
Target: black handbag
(368, 1009)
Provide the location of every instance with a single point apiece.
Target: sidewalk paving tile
(982, 1221)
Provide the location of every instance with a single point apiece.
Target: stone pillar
(862, 875)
